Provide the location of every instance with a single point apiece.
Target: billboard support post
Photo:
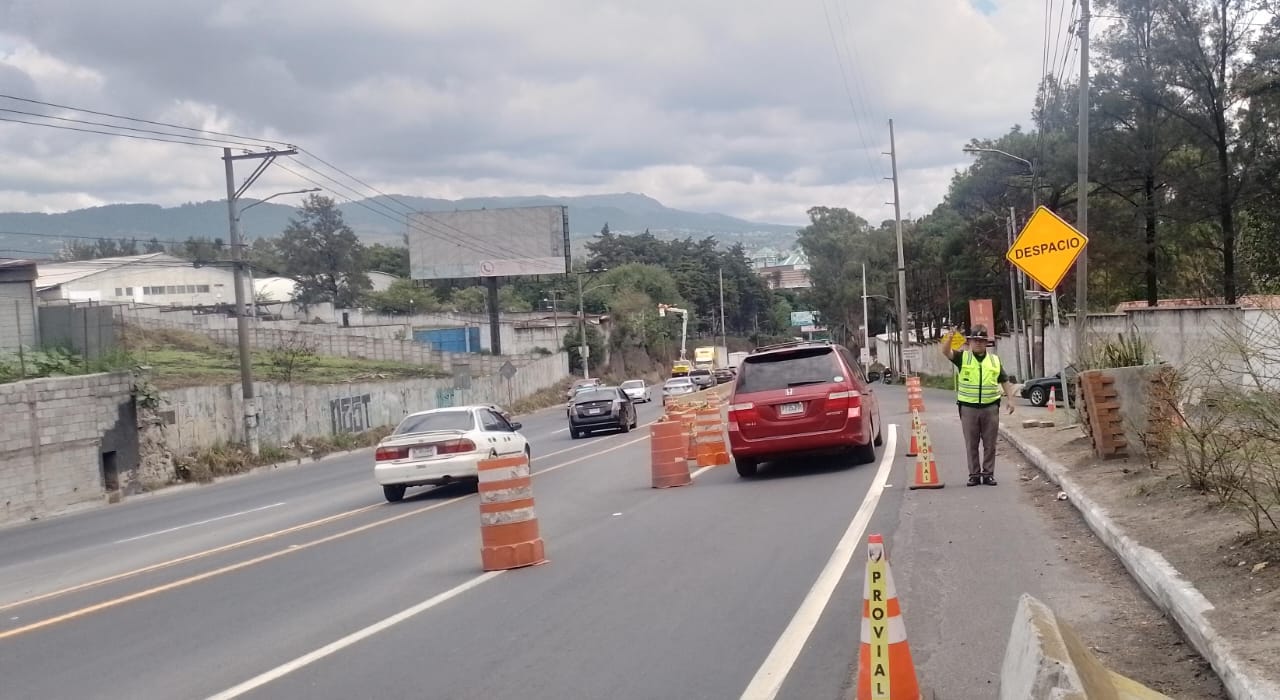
(495, 315)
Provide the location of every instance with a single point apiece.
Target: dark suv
(604, 408)
(801, 398)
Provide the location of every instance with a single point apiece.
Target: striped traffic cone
(885, 668)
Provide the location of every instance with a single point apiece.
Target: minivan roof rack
(791, 344)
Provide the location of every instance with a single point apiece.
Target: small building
(157, 279)
(17, 305)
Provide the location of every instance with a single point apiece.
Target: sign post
(1045, 250)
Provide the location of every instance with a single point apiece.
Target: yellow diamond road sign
(1046, 248)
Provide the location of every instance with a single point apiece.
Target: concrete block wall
(53, 437)
(200, 417)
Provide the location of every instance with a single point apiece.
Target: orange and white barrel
(509, 533)
(668, 445)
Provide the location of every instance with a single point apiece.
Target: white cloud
(734, 107)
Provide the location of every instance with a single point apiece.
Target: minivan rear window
(778, 370)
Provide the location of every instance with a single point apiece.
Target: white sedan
(637, 390)
(441, 446)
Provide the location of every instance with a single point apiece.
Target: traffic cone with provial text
(913, 448)
(927, 475)
(885, 668)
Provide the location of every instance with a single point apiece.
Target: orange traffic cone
(1053, 398)
(885, 669)
(913, 448)
(927, 475)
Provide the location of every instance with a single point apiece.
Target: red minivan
(801, 398)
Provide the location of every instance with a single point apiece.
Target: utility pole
(237, 271)
(866, 319)
(583, 348)
(724, 331)
(1082, 187)
(1013, 301)
(902, 265)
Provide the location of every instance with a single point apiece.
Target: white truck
(735, 359)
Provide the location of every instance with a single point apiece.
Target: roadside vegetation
(228, 459)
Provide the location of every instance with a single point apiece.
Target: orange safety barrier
(885, 668)
(915, 394)
(711, 450)
(668, 449)
(913, 448)
(927, 475)
(508, 524)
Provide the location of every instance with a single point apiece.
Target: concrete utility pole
(1013, 300)
(866, 319)
(902, 265)
(237, 272)
(724, 330)
(583, 348)
(1082, 187)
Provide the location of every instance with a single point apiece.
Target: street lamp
(1037, 352)
(583, 349)
(253, 292)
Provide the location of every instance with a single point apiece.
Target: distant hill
(372, 219)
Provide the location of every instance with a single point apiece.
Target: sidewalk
(963, 556)
(1204, 562)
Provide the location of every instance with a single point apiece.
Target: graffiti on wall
(350, 414)
(444, 398)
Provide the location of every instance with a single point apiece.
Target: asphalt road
(304, 583)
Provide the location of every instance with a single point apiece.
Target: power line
(142, 121)
(126, 128)
(107, 133)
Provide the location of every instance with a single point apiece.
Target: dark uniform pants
(980, 425)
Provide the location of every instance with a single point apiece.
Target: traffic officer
(978, 390)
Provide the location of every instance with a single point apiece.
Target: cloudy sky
(737, 107)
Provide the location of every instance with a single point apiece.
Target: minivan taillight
(741, 412)
(386, 454)
(848, 401)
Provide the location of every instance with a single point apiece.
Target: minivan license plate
(791, 409)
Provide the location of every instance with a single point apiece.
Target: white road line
(698, 472)
(353, 638)
(359, 635)
(768, 679)
(202, 522)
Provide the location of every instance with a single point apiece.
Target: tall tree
(323, 254)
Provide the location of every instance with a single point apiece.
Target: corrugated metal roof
(55, 274)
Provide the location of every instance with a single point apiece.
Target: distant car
(702, 378)
(579, 385)
(801, 398)
(724, 375)
(677, 386)
(605, 408)
(637, 389)
(1037, 390)
(441, 446)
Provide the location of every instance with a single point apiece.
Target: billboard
(489, 243)
(802, 318)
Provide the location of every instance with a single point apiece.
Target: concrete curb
(1176, 596)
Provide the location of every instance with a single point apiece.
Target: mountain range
(375, 220)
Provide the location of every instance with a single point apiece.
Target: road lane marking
(769, 677)
(196, 578)
(353, 638)
(698, 472)
(197, 523)
(217, 572)
(188, 557)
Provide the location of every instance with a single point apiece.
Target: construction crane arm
(663, 310)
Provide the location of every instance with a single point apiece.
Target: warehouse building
(157, 279)
(17, 305)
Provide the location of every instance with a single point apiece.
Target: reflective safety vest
(979, 381)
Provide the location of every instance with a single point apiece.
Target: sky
(759, 109)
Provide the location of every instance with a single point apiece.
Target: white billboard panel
(489, 243)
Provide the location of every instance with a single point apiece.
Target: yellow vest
(979, 381)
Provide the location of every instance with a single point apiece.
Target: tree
(391, 259)
(323, 254)
(154, 246)
(403, 297)
(474, 300)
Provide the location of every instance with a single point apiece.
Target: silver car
(637, 390)
(677, 386)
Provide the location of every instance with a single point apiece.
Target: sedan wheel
(394, 493)
(1038, 396)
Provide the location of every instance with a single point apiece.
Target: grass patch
(181, 358)
(208, 464)
(546, 398)
(934, 381)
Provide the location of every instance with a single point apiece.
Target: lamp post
(1037, 343)
(253, 293)
(584, 350)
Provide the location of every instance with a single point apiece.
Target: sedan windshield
(436, 420)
